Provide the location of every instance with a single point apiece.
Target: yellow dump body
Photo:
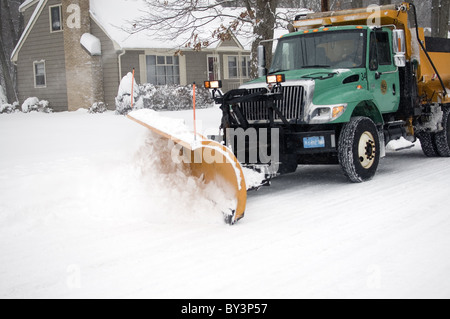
(428, 82)
(395, 16)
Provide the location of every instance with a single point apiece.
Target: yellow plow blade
(207, 159)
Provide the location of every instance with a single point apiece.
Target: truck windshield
(332, 49)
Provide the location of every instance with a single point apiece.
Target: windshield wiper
(323, 77)
(315, 66)
(276, 71)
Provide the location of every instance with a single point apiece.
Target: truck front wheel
(359, 149)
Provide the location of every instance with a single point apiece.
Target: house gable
(34, 17)
(232, 44)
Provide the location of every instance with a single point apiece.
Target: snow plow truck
(341, 86)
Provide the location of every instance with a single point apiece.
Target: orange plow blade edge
(206, 159)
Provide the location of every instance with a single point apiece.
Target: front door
(383, 75)
(213, 68)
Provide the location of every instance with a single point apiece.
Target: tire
(442, 138)
(359, 149)
(288, 164)
(428, 143)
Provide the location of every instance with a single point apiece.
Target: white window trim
(34, 75)
(239, 66)
(218, 65)
(60, 16)
(143, 65)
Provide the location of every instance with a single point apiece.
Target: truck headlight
(327, 113)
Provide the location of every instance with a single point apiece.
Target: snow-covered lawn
(87, 209)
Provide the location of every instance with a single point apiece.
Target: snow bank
(91, 43)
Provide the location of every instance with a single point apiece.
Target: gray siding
(43, 45)
(28, 13)
(130, 60)
(110, 66)
(229, 43)
(196, 67)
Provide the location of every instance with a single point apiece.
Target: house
(74, 53)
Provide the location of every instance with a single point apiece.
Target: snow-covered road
(87, 211)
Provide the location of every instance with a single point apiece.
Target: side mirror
(261, 61)
(399, 45)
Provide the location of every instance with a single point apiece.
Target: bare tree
(440, 14)
(189, 20)
(357, 4)
(11, 27)
(443, 19)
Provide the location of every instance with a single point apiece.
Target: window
(245, 66)
(40, 80)
(373, 58)
(380, 50)
(163, 70)
(238, 67)
(383, 48)
(55, 18)
(334, 49)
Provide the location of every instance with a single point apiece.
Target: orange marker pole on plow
(195, 120)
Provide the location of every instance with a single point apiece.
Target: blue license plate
(314, 142)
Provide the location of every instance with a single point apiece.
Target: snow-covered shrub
(34, 104)
(9, 108)
(123, 99)
(164, 97)
(98, 107)
(174, 97)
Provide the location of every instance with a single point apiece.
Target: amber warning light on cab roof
(275, 79)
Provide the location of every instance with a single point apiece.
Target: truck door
(383, 75)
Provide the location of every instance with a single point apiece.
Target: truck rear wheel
(359, 149)
(443, 138)
(428, 143)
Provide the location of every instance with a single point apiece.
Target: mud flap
(207, 159)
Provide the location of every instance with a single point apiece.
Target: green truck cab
(334, 95)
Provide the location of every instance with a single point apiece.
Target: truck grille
(290, 105)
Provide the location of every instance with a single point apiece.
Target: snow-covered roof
(91, 43)
(118, 17)
(27, 4)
